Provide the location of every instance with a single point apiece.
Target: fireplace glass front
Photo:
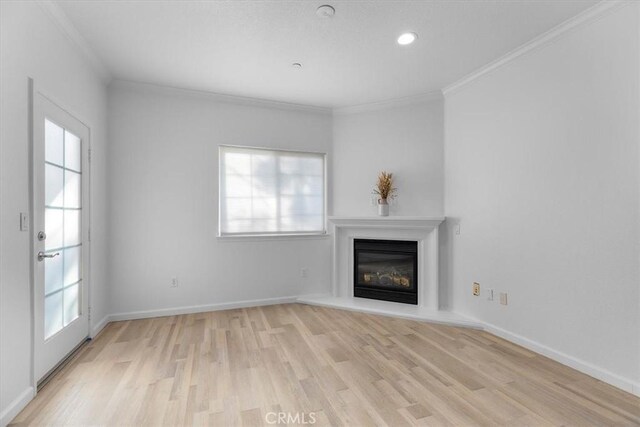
(386, 270)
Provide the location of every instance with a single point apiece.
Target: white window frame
(271, 235)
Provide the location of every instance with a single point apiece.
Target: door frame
(33, 91)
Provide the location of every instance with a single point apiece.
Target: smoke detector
(325, 11)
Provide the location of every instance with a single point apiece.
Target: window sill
(271, 237)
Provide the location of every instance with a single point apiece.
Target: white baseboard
(14, 408)
(98, 327)
(200, 308)
(392, 309)
(601, 374)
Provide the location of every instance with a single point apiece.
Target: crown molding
(268, 103)
(586, 17)
(60, 19)
(389, 103)
(218, 97)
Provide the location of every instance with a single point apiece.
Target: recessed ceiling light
(407, 38)
(296, 65)
(325, 11)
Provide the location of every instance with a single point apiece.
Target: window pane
(71, 304)
(237, 164)
(53, 228)
(301, 184)
(52, 314)
(239, 208)
(72, 265)
(252, 226)
(269, 191)
(302, 223)
(238, 186)
(313, 166)
(302, 165)
(52, 274)
(71, 227)
(72, 151)
(72, 190)
(264, 186)
(301, 205)
(264, 208)
(53, 194)
(263, 164)
(53, 147)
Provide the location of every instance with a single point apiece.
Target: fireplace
(386, 270)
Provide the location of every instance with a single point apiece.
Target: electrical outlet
(476, 288)
(489, 294)
(174, 282)
(503, 298)
(304, 272)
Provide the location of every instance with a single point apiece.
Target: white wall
(541, 169)
(404, 139)
(541, 166)
(164, 201)
(32, 46)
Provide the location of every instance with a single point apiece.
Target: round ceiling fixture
(296, 65)
(407, 38)
(325, 11)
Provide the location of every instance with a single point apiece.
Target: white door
(61, 221)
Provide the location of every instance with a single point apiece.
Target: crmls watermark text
(290, 418)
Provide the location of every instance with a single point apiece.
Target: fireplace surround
(386, 270)
(423, 230)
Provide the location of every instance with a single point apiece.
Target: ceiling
(246, 48)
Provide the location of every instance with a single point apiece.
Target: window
(271, 192)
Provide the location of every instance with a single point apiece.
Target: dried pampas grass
(384, 187)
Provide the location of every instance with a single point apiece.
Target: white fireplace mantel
(424, 230)
(386, 221)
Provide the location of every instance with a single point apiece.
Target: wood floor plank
(240, 367)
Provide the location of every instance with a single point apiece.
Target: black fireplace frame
(406, 247)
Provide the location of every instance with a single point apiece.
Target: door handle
(42, 255)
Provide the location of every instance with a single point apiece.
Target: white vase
(383, 208)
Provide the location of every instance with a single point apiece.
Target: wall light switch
(503, 298)
(490, 294)
(24, 221)
(458, 229)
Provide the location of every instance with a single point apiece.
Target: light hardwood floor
(336, 367)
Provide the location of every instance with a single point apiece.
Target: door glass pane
(63, 202)
(72, 151)
(53, 150)
(71, 189)
(53, 194)
(71, 304)
(71, 227)
(53, 228)
(72, 265)
(52, 274)
(52, 314)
